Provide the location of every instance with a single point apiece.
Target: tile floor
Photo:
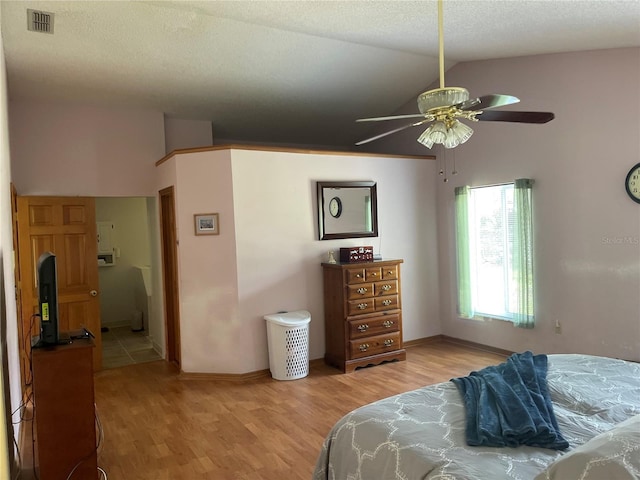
(121, 346)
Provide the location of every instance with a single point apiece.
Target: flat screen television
(47, 273)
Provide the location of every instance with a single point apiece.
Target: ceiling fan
(445, 105)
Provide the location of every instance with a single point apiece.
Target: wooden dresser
(362, 313)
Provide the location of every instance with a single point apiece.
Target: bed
(421, 434)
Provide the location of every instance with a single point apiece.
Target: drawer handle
(362, 290)
(386, 303)
(390, 272)
(388, 342)
(387, 323)
(374, 274)
(364, 347)
(386, 288)
(362, 306)
(358, 275)
(363, 328)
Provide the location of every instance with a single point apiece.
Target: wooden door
(65, 226)
(170, 273)
(25, 363)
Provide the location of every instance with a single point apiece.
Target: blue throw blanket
(509, 404)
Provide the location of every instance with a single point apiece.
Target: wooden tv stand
(64, 411)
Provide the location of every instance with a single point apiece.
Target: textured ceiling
(294, 72)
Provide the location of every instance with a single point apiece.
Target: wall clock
(335, 207)
(632, 183)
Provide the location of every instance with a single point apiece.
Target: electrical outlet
(558, 327)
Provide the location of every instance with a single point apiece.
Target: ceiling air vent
(38, 21)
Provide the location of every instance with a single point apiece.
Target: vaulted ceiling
(284, 71)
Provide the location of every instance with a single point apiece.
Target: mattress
(421, 434)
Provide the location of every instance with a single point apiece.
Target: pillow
(614, 455)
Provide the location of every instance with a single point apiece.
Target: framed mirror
(347, 210)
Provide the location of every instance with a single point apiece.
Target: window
(495, 255)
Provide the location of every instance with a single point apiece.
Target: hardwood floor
(159, 426)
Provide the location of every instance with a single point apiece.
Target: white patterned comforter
(421, 434)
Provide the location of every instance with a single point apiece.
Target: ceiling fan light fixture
(436, 133)
(448, 134)
(424, 138)
(458, 132)
(441, 97)
(451, 141)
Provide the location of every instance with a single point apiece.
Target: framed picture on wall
(206, 223)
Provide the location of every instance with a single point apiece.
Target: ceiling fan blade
(487, 101)
(395, 130)
(519, 117)
(392, 117)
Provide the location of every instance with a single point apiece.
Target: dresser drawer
(360, 290)
(355, 275)
(375, 345)
(390, 272)
(387, 302)
(359, 307)
(377, 325)
(385, 288)
(372, 274)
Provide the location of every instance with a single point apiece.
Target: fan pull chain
(443, 164)
(444, 169)
(454, 171)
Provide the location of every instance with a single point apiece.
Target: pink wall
(279, 253)
(267, 256)
(10, 398)
(66, 149)
(587, 231)
(213, 337)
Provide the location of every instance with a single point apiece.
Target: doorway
(170, 273)
(131, 322)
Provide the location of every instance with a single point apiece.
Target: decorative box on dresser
(362, 313)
